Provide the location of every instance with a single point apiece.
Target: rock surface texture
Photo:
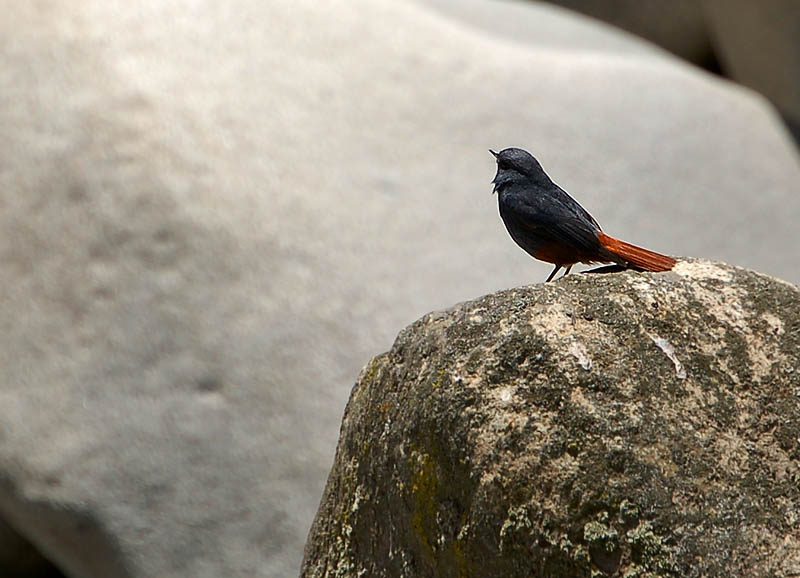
(604, 425)
(212, 214)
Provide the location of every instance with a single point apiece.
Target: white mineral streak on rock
(669, 351)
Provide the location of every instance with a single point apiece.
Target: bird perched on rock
(551, 226)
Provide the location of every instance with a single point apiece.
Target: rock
(212, 214)
(625, 424)
(754, 43)
(757, 46)
(681, 27)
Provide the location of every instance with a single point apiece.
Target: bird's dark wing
(555, 216)
(562, 197)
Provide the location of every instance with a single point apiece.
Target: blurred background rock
(212, 215)
(753, 43)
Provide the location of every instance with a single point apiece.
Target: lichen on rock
(626, 424)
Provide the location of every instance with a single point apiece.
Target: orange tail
(636, 256)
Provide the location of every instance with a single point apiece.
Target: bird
(551, 226)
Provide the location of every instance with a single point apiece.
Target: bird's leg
(553, 274)
(567, 271)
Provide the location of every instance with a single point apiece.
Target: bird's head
(516, 166)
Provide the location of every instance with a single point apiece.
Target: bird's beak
(494, 154)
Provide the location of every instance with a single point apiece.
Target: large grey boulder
(603, 425)
(212, 214)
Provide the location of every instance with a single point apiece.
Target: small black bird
(551, 226)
